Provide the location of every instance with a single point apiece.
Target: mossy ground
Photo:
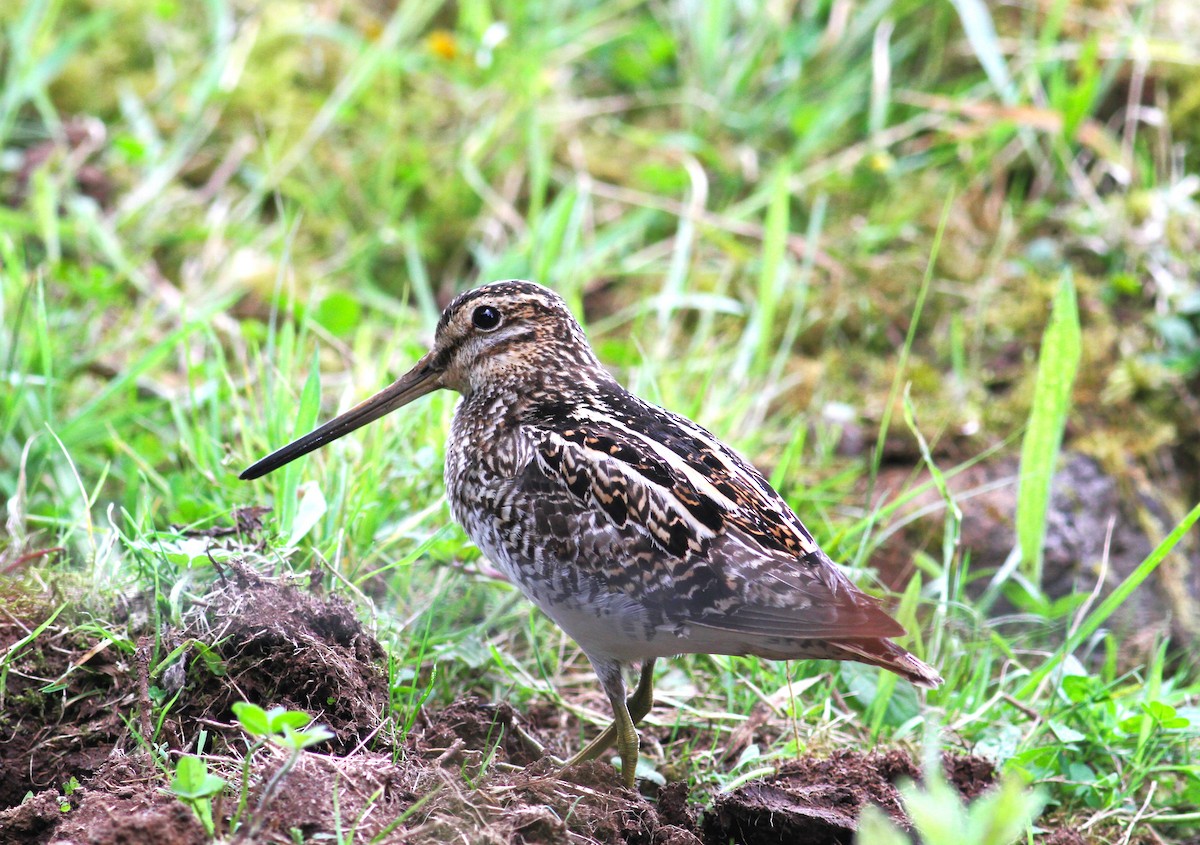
(802, 225)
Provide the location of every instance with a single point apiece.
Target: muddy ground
(73, 769)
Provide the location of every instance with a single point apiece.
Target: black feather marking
(617, 509)
(679, 538)
(579, 484)
(711, 515)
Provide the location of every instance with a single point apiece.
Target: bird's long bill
(418, 381)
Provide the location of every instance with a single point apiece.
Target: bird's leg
(635, 707)
(626, 734)
(642, 700)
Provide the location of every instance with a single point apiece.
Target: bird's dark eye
(485, 318)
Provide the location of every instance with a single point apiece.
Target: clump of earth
(72, 769)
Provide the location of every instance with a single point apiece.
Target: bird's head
(515, 335)
(508, 334)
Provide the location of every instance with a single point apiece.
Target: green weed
(795, 225)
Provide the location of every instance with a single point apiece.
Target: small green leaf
(1079, 687)
(212, 661)
(646, 770)
(289, 738)
(1064, 733)
(192, 781)
(252, 718)
(1161, 713)
(1133, 724)
(338, 313)
(281, 720)
(129, 148)
(1080, 773)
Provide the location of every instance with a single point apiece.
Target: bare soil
(73, 768)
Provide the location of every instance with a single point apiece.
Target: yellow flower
(442, 44)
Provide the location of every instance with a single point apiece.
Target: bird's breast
(485, 457)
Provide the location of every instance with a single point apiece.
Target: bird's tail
(885, 653)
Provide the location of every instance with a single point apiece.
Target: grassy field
(871, 245)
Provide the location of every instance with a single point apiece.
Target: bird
(637, 531)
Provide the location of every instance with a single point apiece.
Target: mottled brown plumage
(633, 528)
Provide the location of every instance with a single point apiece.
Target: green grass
(1057, 364)
(766, 218)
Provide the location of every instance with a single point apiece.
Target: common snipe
(638, 532)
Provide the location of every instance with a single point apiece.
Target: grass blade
(981, 33)
(1057, 365)
(1114, 600)
(306, 418)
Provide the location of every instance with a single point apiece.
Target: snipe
(638, 532)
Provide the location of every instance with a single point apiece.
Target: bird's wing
(730, 554)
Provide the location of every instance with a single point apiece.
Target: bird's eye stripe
(485, 318)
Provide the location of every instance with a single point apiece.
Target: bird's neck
(537, 397)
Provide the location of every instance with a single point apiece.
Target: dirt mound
(61, 696)
(537, 805)
(475, 731)
(819, 800)
(364, 792)
(475, 771)
(513, 792)
(280, 646)
(120, 805)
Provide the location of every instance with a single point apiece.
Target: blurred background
(833, 232)
(752, 205)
